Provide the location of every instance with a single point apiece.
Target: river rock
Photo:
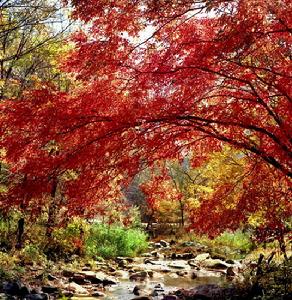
(189, 244)
(157, 254)
(157, 245)
(186, 255)
(37, 297)
(193, 263)
(153, 262)
(215, 264)
(230, 272)
(151, 245)
(50, 289)
(138, 276)
(179, 264)
(128, 259)
(79, 279)
(97, 278)
(122, 274)
(209, 273)
(230, 261)
(67, 273)
(77, 289)
(122, 263)
(201, 257)
(24, 290)
(146, 254)
(138, 290)
(51, 277)
(158, 289)
(163, 243)
(97, 294)
(12, 288)
(170, 297)
(182, 273)
(149, 267)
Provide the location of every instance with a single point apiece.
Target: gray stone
(76, 289)
(37, 297)
(170, 297)
(97, 294)
(137, 290)
(215, 264)
(230, 272)
(50, 289)
(163, 243)
(179, 264)
(201, 257)
(138, 276)
(12, 288)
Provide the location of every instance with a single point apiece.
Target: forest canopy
(149, 85)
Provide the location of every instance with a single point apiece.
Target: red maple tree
(156, 79)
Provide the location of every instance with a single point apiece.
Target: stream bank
(166, 272)
(162, 273)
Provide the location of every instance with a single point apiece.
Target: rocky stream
(161, 273)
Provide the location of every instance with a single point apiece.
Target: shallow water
(124, 289)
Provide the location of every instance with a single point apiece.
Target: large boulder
(201, 257)
(179, 264)
(77, 289)
(85, 277)
(217, 264)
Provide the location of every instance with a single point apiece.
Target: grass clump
(112, 241)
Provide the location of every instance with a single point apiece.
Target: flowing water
(124, 289)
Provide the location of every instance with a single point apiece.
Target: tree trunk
(182, 216)
(20, 231)
(52, 210)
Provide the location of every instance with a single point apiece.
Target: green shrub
(111, 241)
(235, 240)
(31, 254)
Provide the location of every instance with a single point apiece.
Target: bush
(9, 266)
(31, 254)
(111, 241)
(235, 240)
(8, 229)
(68, 240)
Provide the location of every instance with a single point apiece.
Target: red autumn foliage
(264, 192)
(210, 72)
